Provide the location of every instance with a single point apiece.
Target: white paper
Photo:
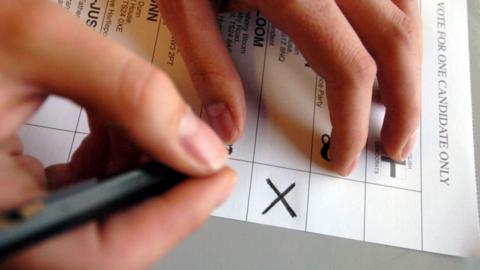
(410, 205)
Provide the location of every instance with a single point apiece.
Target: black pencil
(22, 227)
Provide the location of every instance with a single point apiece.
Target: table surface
(227, 244)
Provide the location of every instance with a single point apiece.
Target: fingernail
(352, 166)
(201, 142)
(407, 149)
(221, 121)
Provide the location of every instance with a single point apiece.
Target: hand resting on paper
(349, 43)
(136, 112)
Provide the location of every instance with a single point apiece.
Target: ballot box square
(37, 142)
(284, 133)
(393, 216)
(235, 207)
(336, 207)
(278, 197)
(56, 112)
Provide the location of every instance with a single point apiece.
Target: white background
(233, 245)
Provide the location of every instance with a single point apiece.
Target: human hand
(134, 112)
(349, 43)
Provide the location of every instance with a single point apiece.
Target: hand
(135, 114)
(344, 41)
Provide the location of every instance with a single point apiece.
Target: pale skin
(349, 43)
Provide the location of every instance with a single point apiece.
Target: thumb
(110, 82)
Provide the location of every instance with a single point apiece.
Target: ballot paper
(426, 203)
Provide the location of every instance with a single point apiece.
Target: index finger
(116, 86)
(194, 25)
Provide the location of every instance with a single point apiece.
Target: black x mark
(281, 197)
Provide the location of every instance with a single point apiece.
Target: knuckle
(404, 31)
(208, 73)
(133, 90)
(362, 69)
(138, 86)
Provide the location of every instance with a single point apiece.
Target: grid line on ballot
(256, 127)
(311, 153)
(52, 128)
(323, 174)
(282, 158)
(71, 150)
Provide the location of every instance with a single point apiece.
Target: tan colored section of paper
(426, 203)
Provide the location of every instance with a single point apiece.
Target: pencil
(93, 199)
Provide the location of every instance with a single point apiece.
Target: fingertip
(398, 137)
(346, 150)
(399, 148)
(345, 169)
(202, 144)
(408, 148)
(222, 121)
(353, 165)
(225, 104)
